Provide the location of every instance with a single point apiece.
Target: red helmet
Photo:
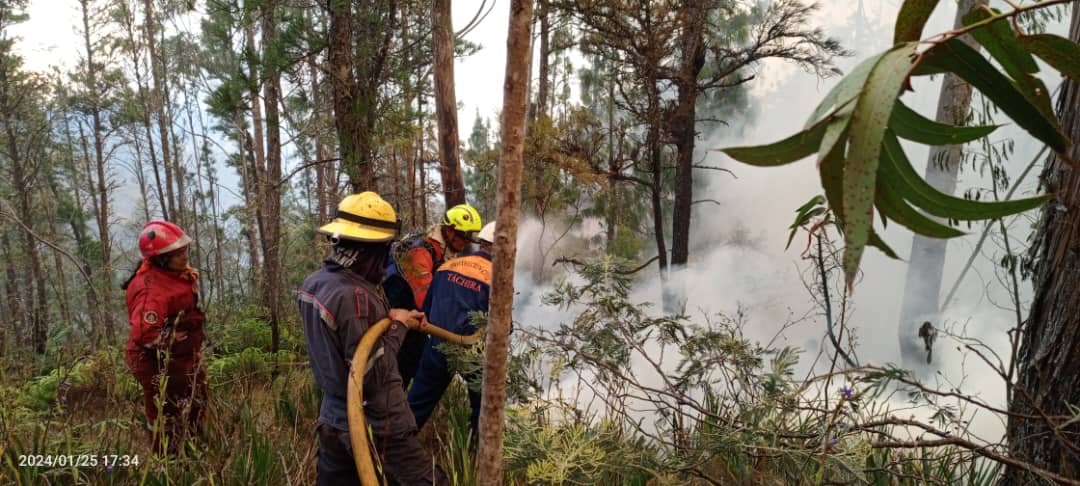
(160, 237)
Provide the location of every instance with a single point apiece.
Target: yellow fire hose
(357, 424)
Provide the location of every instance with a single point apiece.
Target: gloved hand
(191, 320)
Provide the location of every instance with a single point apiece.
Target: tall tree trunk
(140, 178)
(255, 79)
(446, 103)
(922, 288)
(158, 101)
(128, 19)
(176, 143)
(656, 188)
(249, 183)
(323, 185)
(108, 333)
(78, 230)
(1048, 383)
(543, 88)
(15, 300)
(496, 350)
(344, 90)
(38, 314)
(63, 300)
(613, 203)
(271, 194)
(23, 178)
(683, 121)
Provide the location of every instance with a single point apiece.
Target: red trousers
(182, 403)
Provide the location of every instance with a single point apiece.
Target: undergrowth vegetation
(619, 395)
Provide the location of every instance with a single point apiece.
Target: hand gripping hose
(358, 435)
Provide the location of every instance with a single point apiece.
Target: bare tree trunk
(79, 232)
(922, 288)
(613, 169)
(652, 146)
(682, 125)
(543, 89)
(36, 289)
(496, 350)
(1048, 383)
(15, 300)
(446, 103)
(102, 213)
(140, 178)
(322, 175)
(158, 101)
(128, 20)
(271, 194)
(343, 84)
(249, 182)
(179, 172)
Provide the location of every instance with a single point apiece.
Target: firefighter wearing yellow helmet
(409, 276)
(338, 303)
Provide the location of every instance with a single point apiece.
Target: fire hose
(358, 435)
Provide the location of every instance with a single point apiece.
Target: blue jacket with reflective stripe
(461, 286)
(337, 306)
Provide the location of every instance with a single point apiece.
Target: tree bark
(543, 86)
(271, 194)
(497, 346)
(656, 168)
(128, 19)
(446, 103)
(1049, 357)
(23, 177)
(682, 125)
(15, 301)
(108, 333)
(922, 288)
(158, 101)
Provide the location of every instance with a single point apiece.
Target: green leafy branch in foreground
(855, 131)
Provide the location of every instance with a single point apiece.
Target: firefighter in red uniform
(165, 342)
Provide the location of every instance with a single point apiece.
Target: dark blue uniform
(461, 286)
(337, 306)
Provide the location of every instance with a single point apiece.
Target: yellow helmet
(363, 217)
(463, 218)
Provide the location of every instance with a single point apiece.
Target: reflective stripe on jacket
(337, 306)
(461, 286)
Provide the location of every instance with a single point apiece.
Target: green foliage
(634, 398)
(574, 451)
(248, 364)
(855, 126)
(911, 20)
(251, 330)
(92, 406)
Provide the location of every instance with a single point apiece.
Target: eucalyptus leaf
(896, 168)
(893, 206)
(1001, 42)
(910, 125)
(844, 91)
(788, 150)
(955, 56)
(911, 19)
(869, 122)
(1059, 52)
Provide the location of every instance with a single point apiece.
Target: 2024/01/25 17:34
(78, 460)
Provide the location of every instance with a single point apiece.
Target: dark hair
(157, 261)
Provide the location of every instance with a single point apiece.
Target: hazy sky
(49, 38)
